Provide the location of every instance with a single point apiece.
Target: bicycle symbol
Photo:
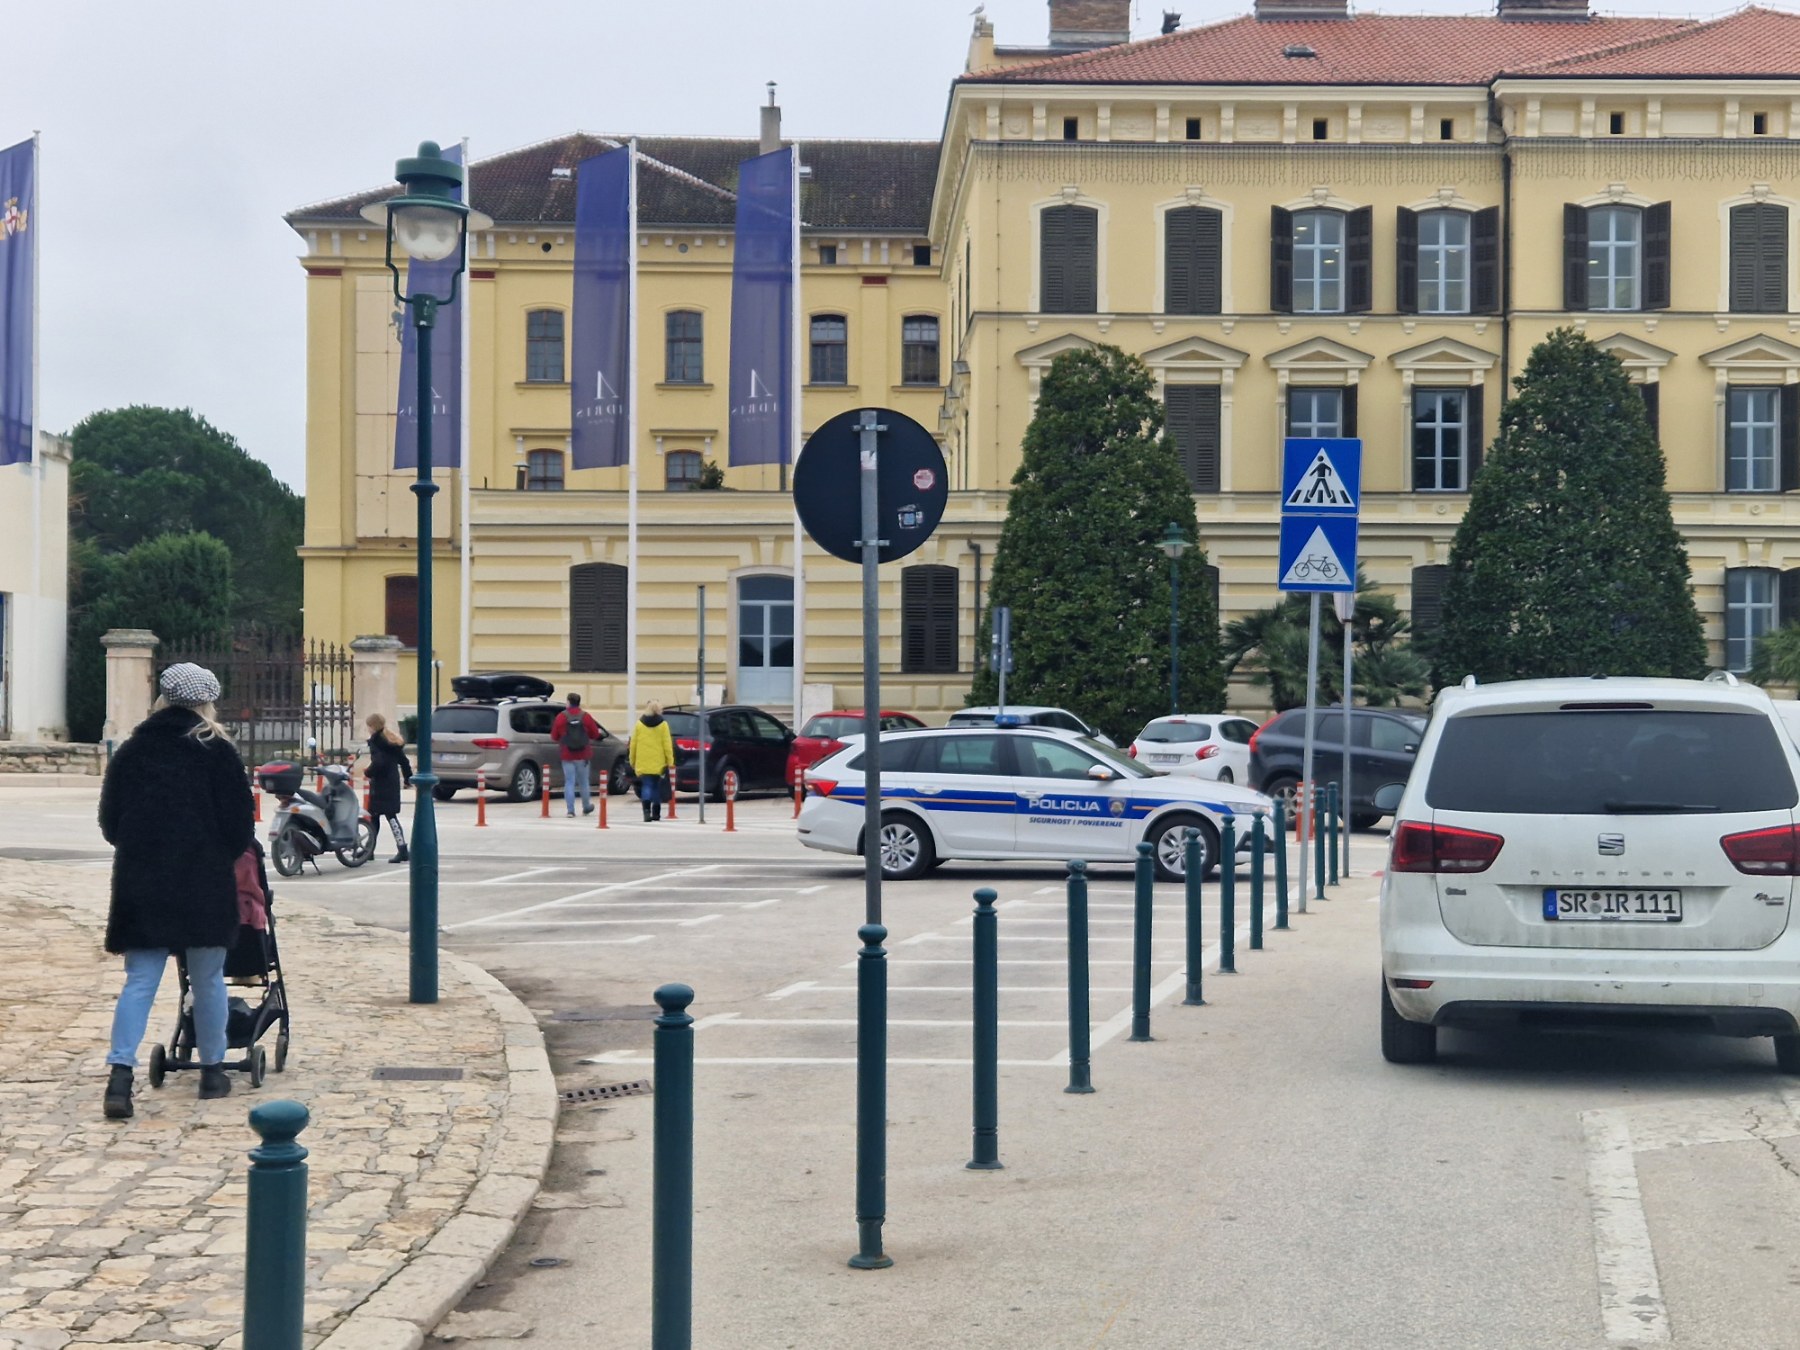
(1305, 567)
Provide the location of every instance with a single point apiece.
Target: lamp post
(430, 225)
(1175, 543)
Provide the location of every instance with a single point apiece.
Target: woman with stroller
(651, 751)
(388, 766)
(176, 808)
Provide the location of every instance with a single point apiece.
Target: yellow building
(1305, 222)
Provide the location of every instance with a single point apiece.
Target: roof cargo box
(501, 684)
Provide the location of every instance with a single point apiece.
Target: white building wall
(34, 593)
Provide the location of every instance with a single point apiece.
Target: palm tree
(1271, 646)
(1777, 659)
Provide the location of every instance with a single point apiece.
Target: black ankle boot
(214, 1082)
(401, 856)
(647, 815)
(118, 1093)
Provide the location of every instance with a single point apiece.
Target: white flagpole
(631, 441)
(794, 425)
(34, 465)
(468, 448)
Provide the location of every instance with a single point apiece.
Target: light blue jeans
(143, 973)
(578, 771)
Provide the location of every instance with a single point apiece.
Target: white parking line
(811, 988)
(1631, 1302)
(597, 923)
(524, 876)
(631, 1057)
(733, 1020)
(578, 942)
(611, 888)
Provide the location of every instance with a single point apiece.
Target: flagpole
(794, 425)
(468, 448)
(34, 462)
(631, 438)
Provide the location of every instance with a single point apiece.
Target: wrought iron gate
(280, 696)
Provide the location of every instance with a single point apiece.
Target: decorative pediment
(1635, 354)
(1759, 352)
(1444, 355)
(1042, 354)
(1194, 354)
(1319, 354)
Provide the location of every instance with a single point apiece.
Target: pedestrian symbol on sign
(1321, 486)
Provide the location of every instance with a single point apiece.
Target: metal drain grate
(606, 1091)
(390, 1074)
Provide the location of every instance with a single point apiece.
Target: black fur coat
(177, 812)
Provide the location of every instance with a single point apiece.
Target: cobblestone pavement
(132, 1232)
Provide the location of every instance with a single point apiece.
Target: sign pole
(1002, 620)
(1304, 808)
(1346, 611)
(700, 698)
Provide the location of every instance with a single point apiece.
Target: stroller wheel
(259, 1060)
(159, 1063)
(281, 1044)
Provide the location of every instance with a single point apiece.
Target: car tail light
(1259, 731)
(821, 787)
(490, 742)
(683, 743)
(1418, 847)
(1206, 752)
(1765, 853)
(1132, 749)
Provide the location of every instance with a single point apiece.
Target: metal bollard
(480, 797)
(730, 805)
(1080, 1016)
(672, 1178)
(1332, 806)
(1196, 934)
(1228, 897)
(987, 1034)
(1256, 883)
(275, 1229)
(1281, 848)
(1318, 843)
(671, 792)
(1143, 881)
(871, 1099)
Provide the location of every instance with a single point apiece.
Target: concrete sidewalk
(132, 1232)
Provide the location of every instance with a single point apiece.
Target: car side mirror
(1387, 799)
(1100, 773)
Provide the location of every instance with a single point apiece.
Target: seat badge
(1612, 845)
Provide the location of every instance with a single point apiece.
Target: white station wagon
(1016, 793)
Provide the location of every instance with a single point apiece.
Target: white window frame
(1440, 426)
(1314, 427)
(1322, 254)
(1615, 259)
(1752, 438)
(1752, 609)
(1441, 257)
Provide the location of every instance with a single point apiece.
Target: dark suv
(746, 750)
(1384, 742)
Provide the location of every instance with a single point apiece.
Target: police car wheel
(1170, 839)
(906, 850)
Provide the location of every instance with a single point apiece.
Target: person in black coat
(176, 808)
(388, 767)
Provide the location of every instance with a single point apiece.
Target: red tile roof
(1407, 49)
(1753, 43)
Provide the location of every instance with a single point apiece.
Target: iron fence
(281, 696)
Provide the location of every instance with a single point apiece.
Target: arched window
(684, 357)
(544, 471)
(919, 349)
(928, 620)
(401, 610)
(681, 470)
(597, 618)
(544, 346)
(830, 349)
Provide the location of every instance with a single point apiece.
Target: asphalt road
(1256, 1176)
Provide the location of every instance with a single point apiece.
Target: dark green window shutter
(1484, 262)
(1192, 422)
(1281, 261)
(1472, 445)
(1192, 256)
(1652, 395)
(1406, 261)
(1359, 260)
(1656, 256)
(1069, 271)
(928, 620)
(1759, 253)
(1428, 597)
(1774, 252)
(1347, 416)
(1788, 602)
(597, 618)
(1790, 437)
(1575, 257)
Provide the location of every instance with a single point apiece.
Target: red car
(820, 736)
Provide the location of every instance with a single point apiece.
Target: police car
(1024, 792)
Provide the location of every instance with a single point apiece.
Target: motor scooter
(305, 823)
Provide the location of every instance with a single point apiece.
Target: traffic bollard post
(1318, 843)
(1256, 883)
(480, 797)
(1080, 1016)
(544, 773)
(366, 791)
(730, 807)
(871, 1099)
(1228, 897)
(1281, 848)
(1196, 934)
(671, 792)
(1333, 807)
(256, 801)
(275, 1229)
(605, 792)
(672, 1179)
(1143, 882)
(987, 1034)
(799, 795)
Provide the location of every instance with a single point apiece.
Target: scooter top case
(501, 684)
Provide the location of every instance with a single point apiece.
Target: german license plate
(1601, 905)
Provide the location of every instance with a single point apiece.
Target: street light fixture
(430, 225)
(1174, 544)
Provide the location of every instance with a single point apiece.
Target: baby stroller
(254, 963)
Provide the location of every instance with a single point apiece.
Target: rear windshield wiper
(1654, 808)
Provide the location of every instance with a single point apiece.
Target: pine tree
(1079, 560)
(1567, 561)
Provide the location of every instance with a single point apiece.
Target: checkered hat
(187, 685)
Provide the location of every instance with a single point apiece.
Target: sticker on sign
(923, 480)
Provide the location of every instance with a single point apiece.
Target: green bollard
(871, 1099)
(672, 1174)
(1080, 1016)
(1318, 840)
(275, 1229)
(1332, 808)
(1140, 945)
(1256, 883)
(1228, 898)
(987, 1034)
(1281, 848)
(1196, 935)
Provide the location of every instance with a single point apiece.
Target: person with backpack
(576, 732)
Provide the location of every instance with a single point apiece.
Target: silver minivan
(509, 741)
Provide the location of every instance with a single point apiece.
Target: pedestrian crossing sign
(1321, 476)
(1318, 553)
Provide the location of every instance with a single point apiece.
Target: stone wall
(52, 757)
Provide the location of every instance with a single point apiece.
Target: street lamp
(1175, 543)
(430, 225)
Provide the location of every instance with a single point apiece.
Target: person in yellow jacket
(651, 752)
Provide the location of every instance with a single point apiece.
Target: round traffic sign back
(912, 485)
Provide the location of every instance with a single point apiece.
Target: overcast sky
(175, 135)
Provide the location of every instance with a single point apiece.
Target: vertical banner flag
(762, 300)
(18, 300)
(446, 363)
(599, 381)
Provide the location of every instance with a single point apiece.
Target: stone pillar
(374, 680)
(130, 653)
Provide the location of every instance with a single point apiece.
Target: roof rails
(1468, 682)
(1722, 677)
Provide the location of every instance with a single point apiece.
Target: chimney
(1078, 25)
(1558, 11)
(1268, 10)
(771, 125)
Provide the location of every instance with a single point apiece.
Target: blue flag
(762, 311)
(18, 299)
(446, 364)
(600, 381)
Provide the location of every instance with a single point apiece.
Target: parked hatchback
(1384, 742)
(508, 740)
(1588, 851)
(824, 734)
(746, 749)
(1216, 747)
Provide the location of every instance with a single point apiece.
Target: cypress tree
(1568, 562)
(1080, 560)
